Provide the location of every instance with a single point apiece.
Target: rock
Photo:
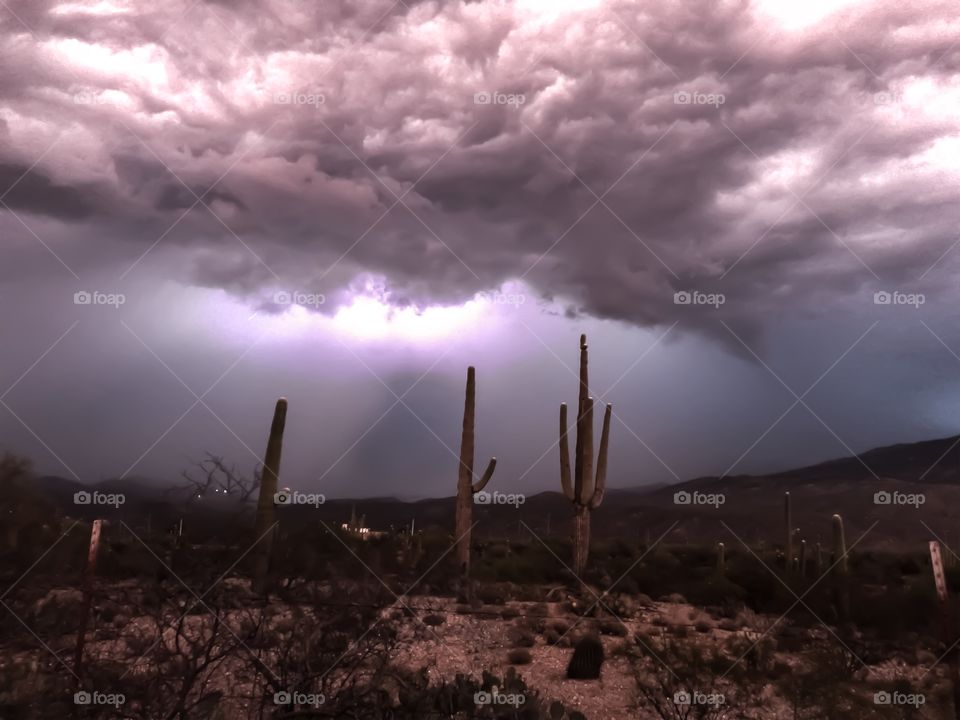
(60, 610)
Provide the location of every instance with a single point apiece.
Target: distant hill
(752, 510)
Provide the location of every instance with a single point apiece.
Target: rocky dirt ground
(449, 638)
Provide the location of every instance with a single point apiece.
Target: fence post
(87, 588)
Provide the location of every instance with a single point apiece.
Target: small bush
(613, 627)
(522, 638)
(434, 619)
(520, 656)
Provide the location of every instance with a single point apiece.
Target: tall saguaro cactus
(841, 584)
(263, 528)
(788, 549)
(466, 487)
(585, 491)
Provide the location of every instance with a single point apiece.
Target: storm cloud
(712, 168)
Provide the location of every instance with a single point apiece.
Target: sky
(750, 208)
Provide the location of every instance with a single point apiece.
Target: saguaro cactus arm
(601, 484)
(487, 474)
(565, 455)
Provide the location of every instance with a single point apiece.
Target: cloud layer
(725, 168)
(609, 154)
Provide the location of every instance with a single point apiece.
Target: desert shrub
(702, 626)
(434, 619)
(533, 623)
(613, 627)
(490, 593)
(822, 685)
(665, 667)
(539, 610)
(519, 656)
(521, 637)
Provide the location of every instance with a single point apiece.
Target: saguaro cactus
(263, 529)
(803, 558)
(721, 558)
(788, 549)
(840, 570)
(466, 487)
(585, 492)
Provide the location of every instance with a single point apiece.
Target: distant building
(358, 528)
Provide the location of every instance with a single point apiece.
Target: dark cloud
(507, 187)
(608, 155)
(27, 190)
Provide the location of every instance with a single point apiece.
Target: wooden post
(87, 586)
(946, 613)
